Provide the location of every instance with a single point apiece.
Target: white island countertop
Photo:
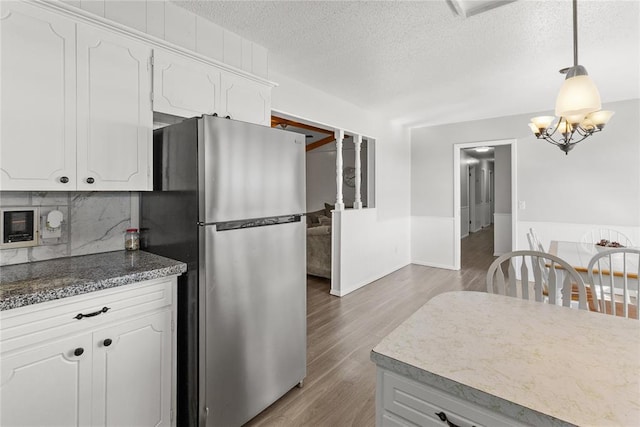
(537, 363)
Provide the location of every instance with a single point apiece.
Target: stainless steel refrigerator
(229, 200)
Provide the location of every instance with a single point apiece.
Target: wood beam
(275, 121)
(321, 142)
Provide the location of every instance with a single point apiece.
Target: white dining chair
(537, 245)
(596, 235)
(521, 274)
(532, 242)
(614, 276)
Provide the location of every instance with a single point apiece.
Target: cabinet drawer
(419, 404)
(39, 322)
(390, 420)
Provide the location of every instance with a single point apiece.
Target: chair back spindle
(539, 273)
(614, 275)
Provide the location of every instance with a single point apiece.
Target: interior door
(473, 220)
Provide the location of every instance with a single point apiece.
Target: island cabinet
(105, 358)
(187, 87)
(76, 104)
(409, 403)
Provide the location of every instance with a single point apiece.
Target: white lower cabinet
(132, 360)
(401, 401)
(47, 384)
(115, 368)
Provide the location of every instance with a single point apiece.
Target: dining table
(578, 255)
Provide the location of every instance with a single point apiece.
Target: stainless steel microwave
(18, 227)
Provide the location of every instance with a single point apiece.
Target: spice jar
(132, 239)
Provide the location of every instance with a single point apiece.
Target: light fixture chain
(575, 32)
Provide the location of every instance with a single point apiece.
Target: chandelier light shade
(578, 107)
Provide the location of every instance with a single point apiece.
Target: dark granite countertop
(35, 282)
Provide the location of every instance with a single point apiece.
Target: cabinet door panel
(37, 79)
(114, 111)
(47, 385)
(132, 375)
(245, 99)
(184, 87)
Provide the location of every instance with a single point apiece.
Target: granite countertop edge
(85, 285)
(465, 392)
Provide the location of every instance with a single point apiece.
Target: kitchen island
(472, 358)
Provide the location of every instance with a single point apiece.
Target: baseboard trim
(434, 265)
(365, 282)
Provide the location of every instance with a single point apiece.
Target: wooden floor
(339, 389)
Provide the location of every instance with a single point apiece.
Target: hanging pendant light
(578, 107)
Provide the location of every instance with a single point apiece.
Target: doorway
(489, 208)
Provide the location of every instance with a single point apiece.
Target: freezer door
(249, 171)
(253, 346)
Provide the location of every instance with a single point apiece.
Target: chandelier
(578, 108)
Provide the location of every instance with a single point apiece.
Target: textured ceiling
(420, 64)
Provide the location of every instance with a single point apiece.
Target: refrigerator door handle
(255, 222)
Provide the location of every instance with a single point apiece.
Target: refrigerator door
(254, 318)
(249, 171)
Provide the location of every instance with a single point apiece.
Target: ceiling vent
(467, 8)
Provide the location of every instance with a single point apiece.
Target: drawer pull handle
(64, 179)
(443, 417)
(107, 342)
(90, 180)
(78, 351)
(95, 313)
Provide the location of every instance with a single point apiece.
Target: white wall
(375, 242)
(597, 184)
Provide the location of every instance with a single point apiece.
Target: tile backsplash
(93, 222)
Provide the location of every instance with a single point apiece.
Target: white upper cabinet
(77, 98)
(184, 87)
(38, 99)
(76, 109)
(114, 111)
(245, 99)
